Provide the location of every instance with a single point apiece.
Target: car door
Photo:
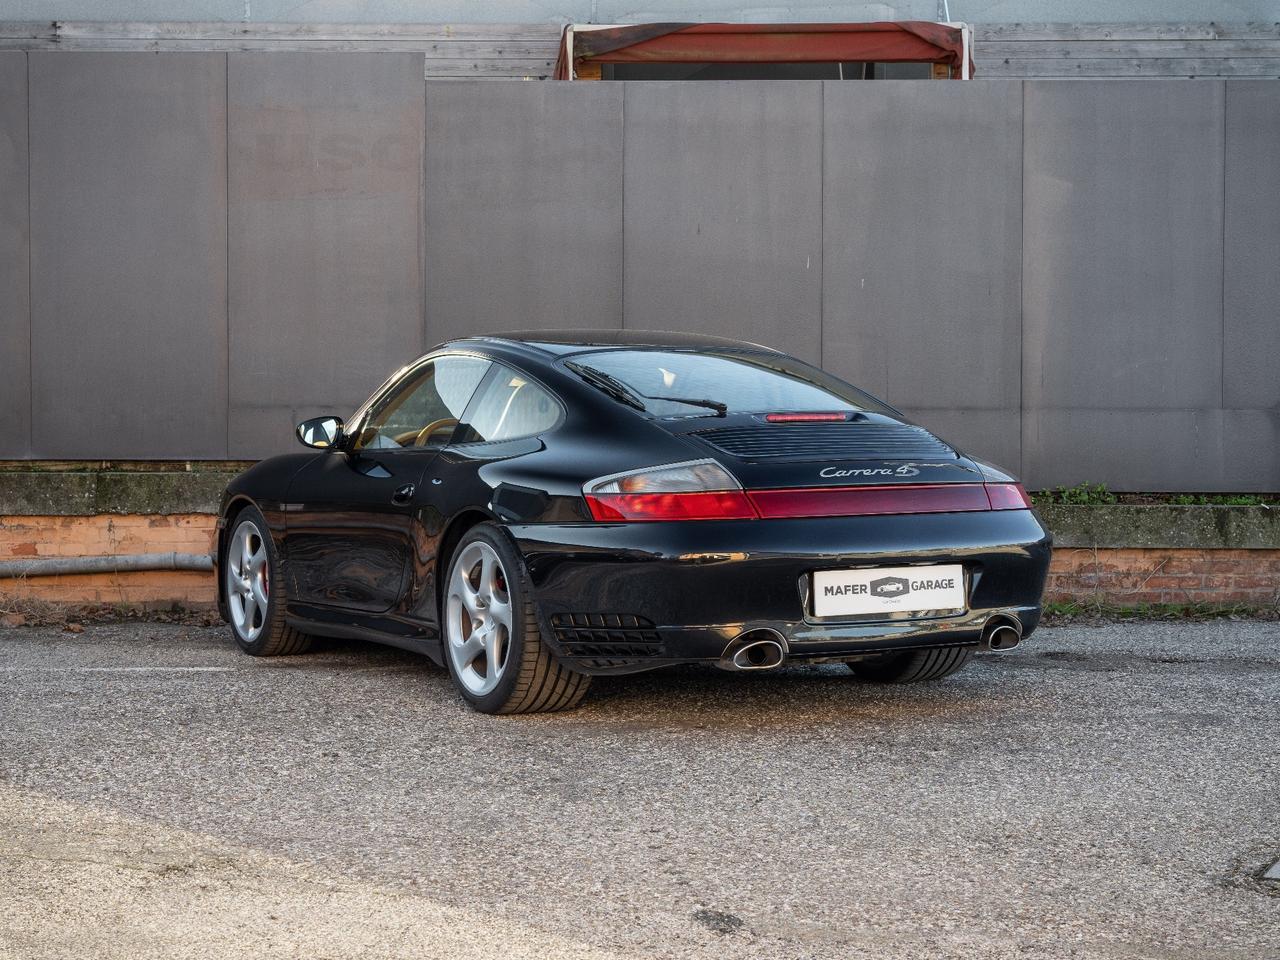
(349, 516)
(504, 420)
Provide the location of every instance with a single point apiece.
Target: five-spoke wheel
(478, 624)
(254, 593)
(492, 643)
(248, 573)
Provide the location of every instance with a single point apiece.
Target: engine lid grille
(828, 441)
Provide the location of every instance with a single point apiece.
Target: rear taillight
(720, 505)
(704, 490)
(697, 490)
(1007, 496)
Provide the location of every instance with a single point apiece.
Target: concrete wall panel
(1122, 282)
(523, 207)
(893, 232)
(15, 249)
(128, 255)
(326, 276)
(723, 219)
(1195, 450)
(1251, 293)
(922, 245)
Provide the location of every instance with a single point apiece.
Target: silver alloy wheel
(478, 618)
(248, 580)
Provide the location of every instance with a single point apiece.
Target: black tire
(274, 638)
(912, 666)
(532, 680)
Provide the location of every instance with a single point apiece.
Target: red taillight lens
(805, 417)
(856, 501)
(716, 505)
(704, 490)
(1007, 496)
(693, 490)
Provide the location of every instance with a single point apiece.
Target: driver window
(424, 409)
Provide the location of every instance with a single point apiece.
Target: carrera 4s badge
(904, 470)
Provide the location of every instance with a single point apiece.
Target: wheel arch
(450, 537)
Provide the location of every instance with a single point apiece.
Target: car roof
(569, 341)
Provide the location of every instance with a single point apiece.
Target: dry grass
(1102, 610)
(19, 611)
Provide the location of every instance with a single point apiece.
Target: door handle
(403, 494)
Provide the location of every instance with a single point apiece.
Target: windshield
(743, 382)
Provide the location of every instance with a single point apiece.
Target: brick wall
(1130, 576)
(1124, 576)
(81, 536)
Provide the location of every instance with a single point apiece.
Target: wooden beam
(310, 31)
(1132, 49)
(27, 29)
(1115, 67)
(439, 50)
(534, 69)
(1126, 31)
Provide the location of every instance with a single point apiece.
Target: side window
(511, 406)
(423, 410)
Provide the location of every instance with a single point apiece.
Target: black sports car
(531, 509)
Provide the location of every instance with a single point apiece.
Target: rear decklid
(860, 449)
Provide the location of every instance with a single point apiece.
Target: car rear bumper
(625, 597)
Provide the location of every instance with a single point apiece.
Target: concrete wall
(325, 260)
(526, 238)
(1076, 280)
(15, 267)
(128, 255)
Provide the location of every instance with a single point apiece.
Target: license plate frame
(871, 592)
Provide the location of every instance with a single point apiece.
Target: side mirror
(322, 433)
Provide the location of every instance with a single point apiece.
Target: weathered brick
(1132, 576)
(1120, 575)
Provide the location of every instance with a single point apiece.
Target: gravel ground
(1098, 792)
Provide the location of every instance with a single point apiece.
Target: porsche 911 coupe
(533, 509)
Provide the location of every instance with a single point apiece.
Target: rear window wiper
(720, 408)
(607, 384)
(615, 388)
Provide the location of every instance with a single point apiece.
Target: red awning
(907, 41)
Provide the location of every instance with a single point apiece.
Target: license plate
(888, 590)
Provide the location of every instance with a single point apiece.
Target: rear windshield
(743, 382)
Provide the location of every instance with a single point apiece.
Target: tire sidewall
(517, 589)
(275, 581)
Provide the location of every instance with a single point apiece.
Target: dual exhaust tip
(764, 649)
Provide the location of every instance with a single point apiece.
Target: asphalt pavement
(1099, 792)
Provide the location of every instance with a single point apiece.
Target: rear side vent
(829, 441)
(607, 639)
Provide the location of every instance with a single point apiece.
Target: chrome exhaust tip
(761, 655)
(1001, 633)
(765, 652)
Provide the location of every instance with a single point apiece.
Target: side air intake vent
(828, 441)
